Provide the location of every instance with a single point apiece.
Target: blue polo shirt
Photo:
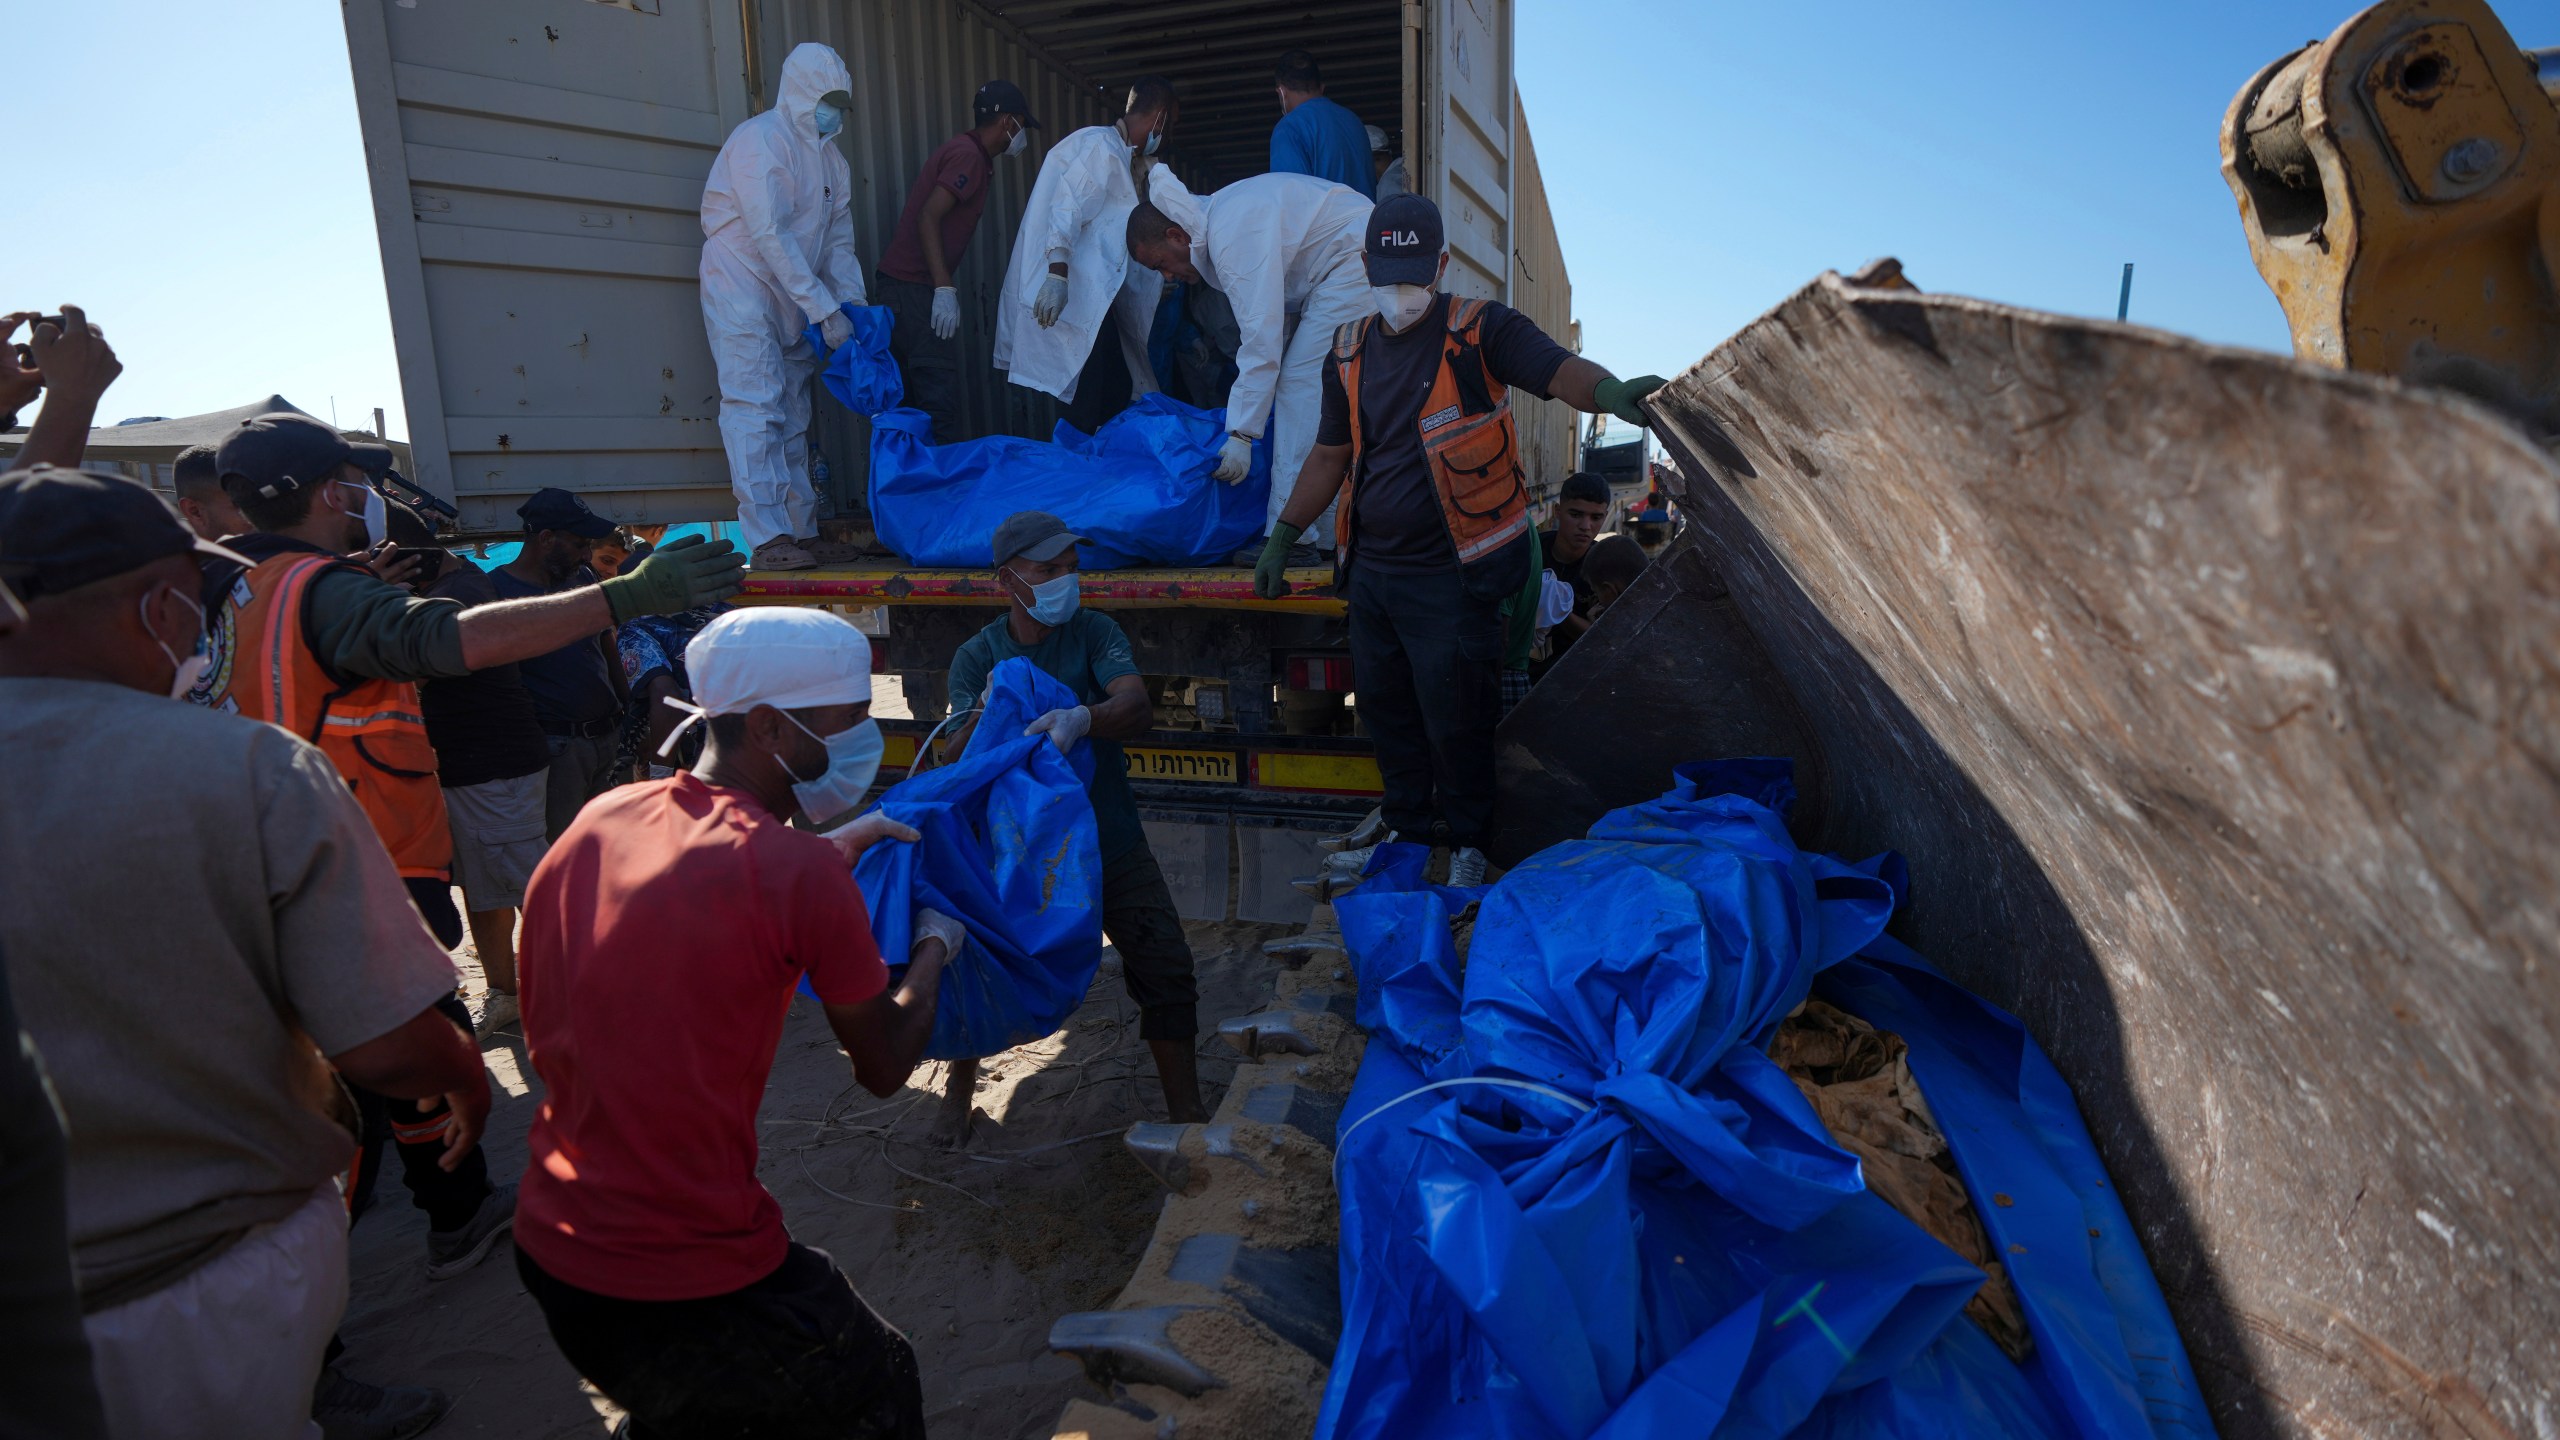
(1322, 139)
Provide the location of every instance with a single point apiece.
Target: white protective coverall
(777, 257)
(1079, 213)
(1285, 251)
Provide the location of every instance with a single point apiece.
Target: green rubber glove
(1270, 573)
(1620, 397)
(678, 575)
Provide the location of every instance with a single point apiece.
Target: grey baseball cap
(1032, 535)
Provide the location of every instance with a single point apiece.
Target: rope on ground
(929, 1180)
(810, 1176)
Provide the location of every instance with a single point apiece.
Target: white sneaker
(1466, 867)
(502, 1011)
(1352, 862)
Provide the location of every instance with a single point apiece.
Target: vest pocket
(1480, 469)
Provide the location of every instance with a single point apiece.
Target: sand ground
(971, 1254)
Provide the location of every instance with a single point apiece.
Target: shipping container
(537, 173)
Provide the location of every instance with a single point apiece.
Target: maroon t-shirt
(961, 167)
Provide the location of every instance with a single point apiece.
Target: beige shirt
(189, 903)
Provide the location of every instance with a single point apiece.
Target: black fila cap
(1404, 242)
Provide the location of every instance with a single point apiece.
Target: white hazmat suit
(1285, 251)
(777, 257)
(1079, 214)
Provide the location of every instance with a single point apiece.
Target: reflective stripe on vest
(1474, 454)
(372, 730)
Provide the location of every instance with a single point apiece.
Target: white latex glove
(1063, 727)
(1234, 459)
(836, 329)
(865, 831)
(932, 924)
(946, 312)
(1051, 302)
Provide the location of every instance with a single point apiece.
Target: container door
(1467, 126)
(537, 173)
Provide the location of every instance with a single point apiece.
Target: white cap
(1377, 138)
(784, 656)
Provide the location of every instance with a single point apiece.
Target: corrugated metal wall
(916, 65)
(1541, 290)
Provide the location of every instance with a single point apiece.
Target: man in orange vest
(1417, 441)
(328, 648)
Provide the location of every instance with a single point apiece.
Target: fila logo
(1399, 237)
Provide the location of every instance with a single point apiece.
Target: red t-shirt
(961, 167)
(663, 937)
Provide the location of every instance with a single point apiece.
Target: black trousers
(1103, 388)
(798, 1353)
(1426, 667)
(1155, 956)
(928, 366)
(416, 1129)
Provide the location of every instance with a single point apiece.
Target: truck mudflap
(2210, 696)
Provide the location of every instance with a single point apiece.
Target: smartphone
(423, 554)
(56, 321)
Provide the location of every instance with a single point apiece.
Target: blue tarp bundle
(1616, 1216)
(1140, 489)
(860, 373)
(1007, 848)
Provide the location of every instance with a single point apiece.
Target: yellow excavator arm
(2400, 185)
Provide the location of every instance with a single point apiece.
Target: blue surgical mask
(830, 120)
(853, 758)
(1052, 601)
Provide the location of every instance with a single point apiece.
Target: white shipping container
(537, 171)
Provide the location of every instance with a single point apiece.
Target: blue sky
(207, 201)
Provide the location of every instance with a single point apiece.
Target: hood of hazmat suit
(1271, 244)
(1079, 213)
(777, 258)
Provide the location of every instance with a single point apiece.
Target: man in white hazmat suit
(777, 257)
(1070, 265)
(1285, 251)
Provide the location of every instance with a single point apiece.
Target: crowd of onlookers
(229, 946)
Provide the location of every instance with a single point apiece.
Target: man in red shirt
(664, 934)
(933, 231)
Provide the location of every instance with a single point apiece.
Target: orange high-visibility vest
(373, 730)
(1467, 436)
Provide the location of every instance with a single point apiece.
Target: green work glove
(1620, 397)
(1270, 573)
(677, 576)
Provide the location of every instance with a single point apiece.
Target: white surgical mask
(191, 666)
(1155, 139)
(853, 758)
(1401, 305)
(830, 120)
(1020, 142)
(1052, 602)
(377, 516)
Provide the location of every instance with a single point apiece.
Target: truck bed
(889, 581)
